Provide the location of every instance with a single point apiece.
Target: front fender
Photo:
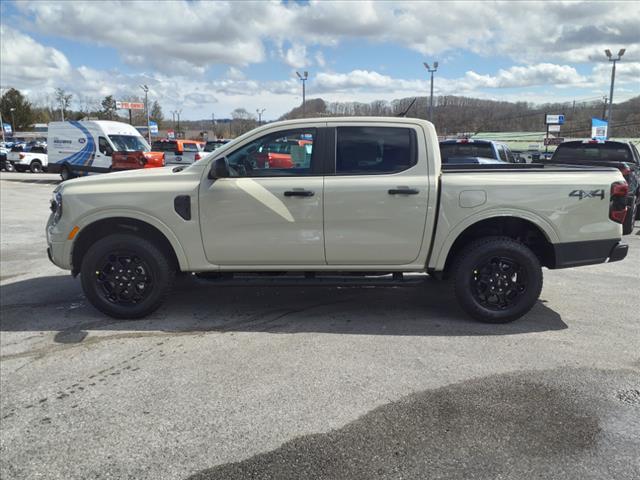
(143, 217)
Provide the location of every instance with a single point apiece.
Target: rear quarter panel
(542, 197)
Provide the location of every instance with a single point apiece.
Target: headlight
(56, 206)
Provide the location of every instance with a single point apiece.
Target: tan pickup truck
(366, 200)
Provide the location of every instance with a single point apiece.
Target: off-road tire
(466, 286)
(159, 266)
(630, 219)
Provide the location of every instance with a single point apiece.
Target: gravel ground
(279, 383)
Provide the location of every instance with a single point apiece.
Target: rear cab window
(375, 150)
(452, 151)
(609, 151)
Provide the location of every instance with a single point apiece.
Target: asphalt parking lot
(283, 383)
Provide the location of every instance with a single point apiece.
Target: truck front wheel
(126, 276)
(497, 279)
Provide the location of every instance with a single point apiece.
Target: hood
(137, 176)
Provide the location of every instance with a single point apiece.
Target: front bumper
(577, 254)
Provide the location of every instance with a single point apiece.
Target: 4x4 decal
(588, 194)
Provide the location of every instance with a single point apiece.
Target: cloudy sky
(210, 57)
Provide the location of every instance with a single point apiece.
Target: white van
(78, 148)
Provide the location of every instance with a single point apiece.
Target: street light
(303, 79)
(431, 71)
(613, 78)
(145, 89)
(13, 121)
(260, 111)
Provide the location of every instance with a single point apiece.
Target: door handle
(299, 193)
(403, 191)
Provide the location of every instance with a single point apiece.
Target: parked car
(622, 155)
(32, 157)
(130, 160)
(454, 150)
(4, 163)
(179, 152)
(212, 145)
(372, 201)
(80, 148)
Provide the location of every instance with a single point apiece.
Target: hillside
(461, 114)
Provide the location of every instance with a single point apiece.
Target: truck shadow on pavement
(198, 306)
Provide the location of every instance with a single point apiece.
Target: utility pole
(604, 107)
(145, 89)
(303, 79)
(260, 111)
(431, 71)
(613, 78)
(13, 121)
(2, 128)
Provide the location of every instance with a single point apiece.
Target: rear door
(375, 205)
(263, 215)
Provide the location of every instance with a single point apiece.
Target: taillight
(21, 156)
(198, 157)
(618, 204)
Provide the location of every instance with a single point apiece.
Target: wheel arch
(147, 227)
(536, 234)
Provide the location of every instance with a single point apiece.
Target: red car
(279, 154)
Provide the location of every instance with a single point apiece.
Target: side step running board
(241, 279)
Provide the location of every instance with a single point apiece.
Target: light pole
(13, 121)
(613, 78)
(260, 111)
(145, 89)
(431, 71)
(303, 79)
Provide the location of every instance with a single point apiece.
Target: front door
(375, 205)
(269, 212)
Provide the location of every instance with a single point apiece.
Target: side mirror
(219, 168)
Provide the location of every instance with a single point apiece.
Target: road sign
(599, 129)
(7, 128)
(553, 141)
(171, 134)
(554, 120)
(130, 105)
(554, 128)
(153, 127)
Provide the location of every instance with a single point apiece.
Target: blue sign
(7, 128)
(153, 128)
(599, 129)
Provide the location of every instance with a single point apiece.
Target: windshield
(457, 150)
(129, 143)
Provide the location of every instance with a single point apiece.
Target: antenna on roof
(404, 114)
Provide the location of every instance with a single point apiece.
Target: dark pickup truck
(622, 155)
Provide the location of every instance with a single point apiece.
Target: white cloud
(26, 62)
(296, 56)
(357, 80)
(527, 76)
(320, 60)
(203, 33)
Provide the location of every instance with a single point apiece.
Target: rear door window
(374, 150)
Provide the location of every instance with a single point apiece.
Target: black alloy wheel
(496, 279)
(124, 278)
(498, 283)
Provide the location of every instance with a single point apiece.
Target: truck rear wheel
(126, 276)
(497, 279)
(35, 166)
